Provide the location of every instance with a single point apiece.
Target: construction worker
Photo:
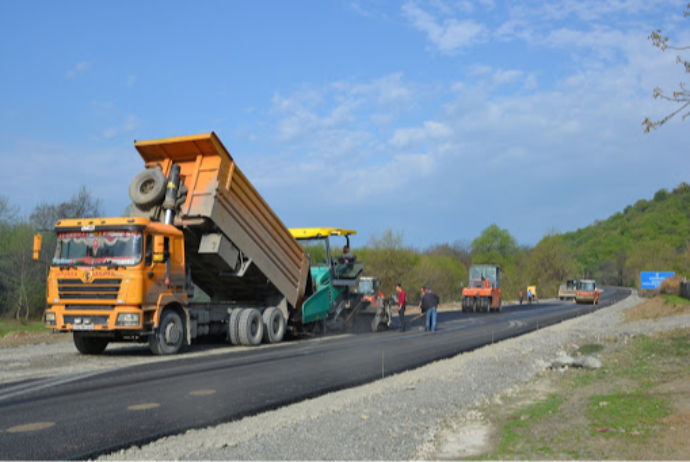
(402, 304)
(429, 306)
(529, 295)
(521, 297)
(346, 257)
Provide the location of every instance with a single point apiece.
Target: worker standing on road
(520, 297)
(429, 305)
(529, 295)
(402, 304)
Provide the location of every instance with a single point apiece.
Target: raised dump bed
(237, 248)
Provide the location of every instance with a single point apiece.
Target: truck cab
(567, 291)
(110, 277)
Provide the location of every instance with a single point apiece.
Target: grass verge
(636, 407)
(7, 326)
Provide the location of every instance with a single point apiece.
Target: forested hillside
(651, 235)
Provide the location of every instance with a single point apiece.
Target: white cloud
(360, 10)
(77, 69)
(311, 112)
(448, 36)
(430, 130)
(129, 124)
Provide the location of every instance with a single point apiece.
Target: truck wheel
(89, 345)
(274, 325)
(234, 326)
(251, 327)
(169, 337)
(147, 188)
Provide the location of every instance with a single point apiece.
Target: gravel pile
(403, 416)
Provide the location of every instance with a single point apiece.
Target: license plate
(82, 327)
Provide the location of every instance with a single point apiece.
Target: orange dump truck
(196, 220)
(483, 293)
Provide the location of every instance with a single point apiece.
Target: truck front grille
(97, 320)
(90, 307)
(99, 289)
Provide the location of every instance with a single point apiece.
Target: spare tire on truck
(147, 188)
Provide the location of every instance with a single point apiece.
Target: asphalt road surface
(80, 417)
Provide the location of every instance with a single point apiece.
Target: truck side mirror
(38, 240)
(158, 248)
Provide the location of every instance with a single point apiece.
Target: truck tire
(89, 345)
(251, 327)
(234, 326)
(274, 325)
(169, 338)
(147, 188)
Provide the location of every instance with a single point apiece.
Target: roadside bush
(670, 286)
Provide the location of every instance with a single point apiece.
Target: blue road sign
(652, 280)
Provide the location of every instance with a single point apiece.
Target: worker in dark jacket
(429, 305)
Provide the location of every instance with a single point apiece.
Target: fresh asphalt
(83, 416)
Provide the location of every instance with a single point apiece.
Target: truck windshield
(488, 272)
(122, 248)
(587, 286)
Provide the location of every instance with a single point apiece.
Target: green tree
(681, 96)
(494, 245)
(388, 258)
(550, 263)
(23, 281)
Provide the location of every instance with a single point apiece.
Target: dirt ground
(655, 308)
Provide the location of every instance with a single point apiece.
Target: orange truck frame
(483, 293)
(195, 218)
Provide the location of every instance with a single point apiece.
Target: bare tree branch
(682, 96)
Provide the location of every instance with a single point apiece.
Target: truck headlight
(127, 319)
(50, 319)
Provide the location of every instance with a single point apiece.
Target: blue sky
(432, 117)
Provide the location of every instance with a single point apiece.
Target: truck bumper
(120, 321)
